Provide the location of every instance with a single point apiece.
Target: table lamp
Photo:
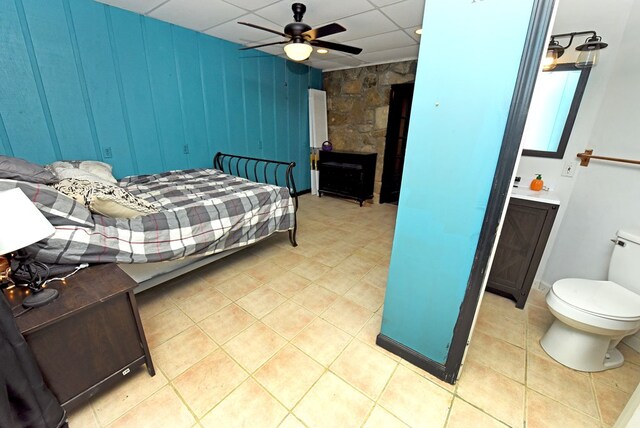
(22, 224)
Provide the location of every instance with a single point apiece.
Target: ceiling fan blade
(336, 47)
(323, 31)
(264, 29)
(262, 45)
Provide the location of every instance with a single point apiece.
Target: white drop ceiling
(384, 29)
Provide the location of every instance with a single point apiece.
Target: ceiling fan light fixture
(322, 50)
(299, 38)
(298, 50)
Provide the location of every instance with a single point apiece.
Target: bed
(204, 215)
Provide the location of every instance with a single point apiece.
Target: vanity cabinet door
(526, 229)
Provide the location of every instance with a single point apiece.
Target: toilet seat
(604, 299)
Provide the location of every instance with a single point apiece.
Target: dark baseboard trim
(302, 192)
(415, 358)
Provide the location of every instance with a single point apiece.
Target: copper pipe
(587, 156)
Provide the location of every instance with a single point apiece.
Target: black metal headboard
(269, 171)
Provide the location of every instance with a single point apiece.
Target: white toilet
(593, 316)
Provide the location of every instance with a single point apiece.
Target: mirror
(553, 110)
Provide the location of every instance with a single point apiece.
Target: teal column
(470, 54)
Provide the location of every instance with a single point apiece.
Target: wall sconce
(589, 50)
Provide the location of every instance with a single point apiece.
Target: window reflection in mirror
(553, 110)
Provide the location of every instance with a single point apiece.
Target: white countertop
(545, 196)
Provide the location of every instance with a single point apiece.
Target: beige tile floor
(281, 336)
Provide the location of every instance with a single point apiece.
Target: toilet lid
(604, 298)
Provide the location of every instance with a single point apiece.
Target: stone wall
(358, 106)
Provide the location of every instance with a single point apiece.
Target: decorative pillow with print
(105, 199)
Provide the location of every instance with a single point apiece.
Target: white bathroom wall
(605, 196)
(609, 20)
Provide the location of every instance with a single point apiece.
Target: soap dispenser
(537, 183)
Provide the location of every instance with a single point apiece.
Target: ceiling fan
(300, 37)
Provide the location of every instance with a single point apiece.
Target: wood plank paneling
(83, 80)
(131, 59)
(251, 93)
(54, 55)
(214, 93)
(25, 115)
(165, 93)
(235, 99)
(191, 97)
(267, 101)
(90, 23)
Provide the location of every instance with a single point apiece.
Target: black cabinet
(526, 229)
(347, 174)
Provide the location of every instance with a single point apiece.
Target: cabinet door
(518, 242)
(346, 181)
(81, 351)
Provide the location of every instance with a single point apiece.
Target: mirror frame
(571, 116)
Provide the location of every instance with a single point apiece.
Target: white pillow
(101, 169)
(93, 171)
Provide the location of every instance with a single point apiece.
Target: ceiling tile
(251, 4)
(332, 65)
(406, 14)
(324, 65)
(349, 61)
(391, 55)
(412, 33)
(381, 3)
(381, 42)
(318, 11)
(140, 6)
(273, 50)
(243, 34)
(363, 25)
(197, 14)
(330, 56)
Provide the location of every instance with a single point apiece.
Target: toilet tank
(624, 267)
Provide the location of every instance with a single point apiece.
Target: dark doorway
(396, 142)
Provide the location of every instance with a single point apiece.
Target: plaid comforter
(203, 211)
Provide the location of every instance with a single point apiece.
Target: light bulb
(549, 61)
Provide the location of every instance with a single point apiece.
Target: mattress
(203, 212)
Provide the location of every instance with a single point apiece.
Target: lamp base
(41, 298)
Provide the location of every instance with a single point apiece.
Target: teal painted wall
(79, 79)
(464, 85)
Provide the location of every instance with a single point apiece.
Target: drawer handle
(126, 371)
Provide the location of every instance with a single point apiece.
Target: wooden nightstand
(89, 337)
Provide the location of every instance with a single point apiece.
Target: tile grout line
(595, 398)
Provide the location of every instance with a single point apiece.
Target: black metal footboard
(259, 170)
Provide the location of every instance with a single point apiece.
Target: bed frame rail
(268, 171)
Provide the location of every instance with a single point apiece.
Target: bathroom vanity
(527, 225)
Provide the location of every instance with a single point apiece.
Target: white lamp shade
(21, 224)
(298, 51)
